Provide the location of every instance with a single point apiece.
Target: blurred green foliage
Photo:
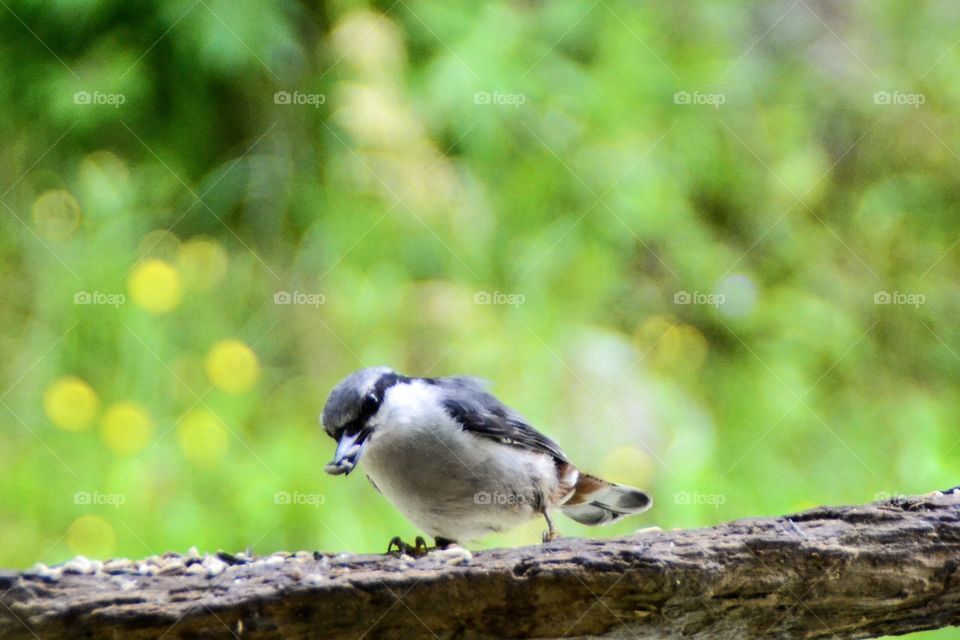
(683, 217)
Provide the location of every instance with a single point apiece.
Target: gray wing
(479, 412)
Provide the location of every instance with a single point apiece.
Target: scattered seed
(214, 567)
(78, 565)
(174, 567)
(124, 584)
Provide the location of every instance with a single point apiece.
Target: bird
(457, 462)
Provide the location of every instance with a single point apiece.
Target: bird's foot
(418, 549)
(550, 536)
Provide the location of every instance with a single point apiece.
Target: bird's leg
(551, 533)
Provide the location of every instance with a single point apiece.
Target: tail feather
(594, 501)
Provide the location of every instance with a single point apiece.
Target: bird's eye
(370, 405)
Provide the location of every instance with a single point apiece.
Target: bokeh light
(126, 428)
(202, 437)
(56, 214)
(627, 464)
(202, 263)
(232, 366)
(71, 403)
(91, 536)
(155, 285)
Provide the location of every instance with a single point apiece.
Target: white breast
(449, 482)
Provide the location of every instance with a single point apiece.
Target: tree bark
(890, 567)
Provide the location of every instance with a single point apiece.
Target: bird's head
(349, 413)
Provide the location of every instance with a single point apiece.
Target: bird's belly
(455, 485)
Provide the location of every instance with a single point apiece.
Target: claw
(551, 533)
(396, 541)
(418, 549)
(550, 536)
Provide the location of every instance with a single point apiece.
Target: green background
(546, 154)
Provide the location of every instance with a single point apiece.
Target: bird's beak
(348, 453)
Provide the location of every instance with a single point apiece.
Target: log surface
(889, 567)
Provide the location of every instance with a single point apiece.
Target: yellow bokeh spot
(668, 343)
(233, 366)
(155, 285)
(126, 428)
(91, 536)
(202, 437)
(627, 464)
(202, 262)
(56, 214)
(71, 403)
